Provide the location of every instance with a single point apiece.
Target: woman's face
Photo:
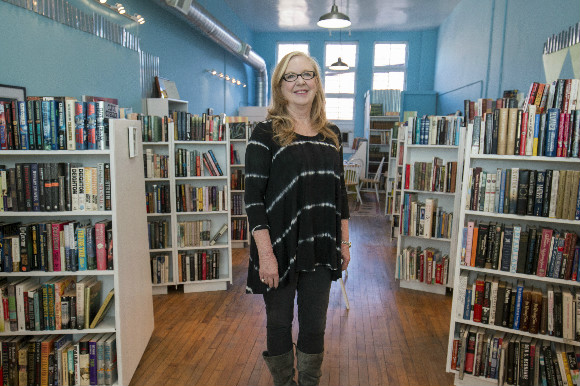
(300, 92)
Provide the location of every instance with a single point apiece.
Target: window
(286, 48)
(389, 66)
(339, 86)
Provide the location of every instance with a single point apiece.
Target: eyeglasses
(306, 75)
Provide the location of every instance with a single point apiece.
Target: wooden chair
(352, 171)
(375, 181)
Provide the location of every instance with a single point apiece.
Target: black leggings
(313, 293)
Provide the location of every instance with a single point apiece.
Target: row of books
(55, 123)
(543, 193)
(237, 204)
(424, 219)
(435, 176)
(47, 187)
(548, 311)
(235, 158)
(204, 127)
(542, 252)
(194, 233)
(61, 303)
(239, 229)
(427, 265)
(155, 165)
(191, 163)
(560, 94)
(159, 235)
(56, 246)
(379, 138)
(155, 128)
(434, 130)
(480, 107)
(192, 198)
(157, 198)
(238, 180)
(563, 94)
(512, 131)
(160, 268)
(59, 360)
(199, 265)
(513, 359)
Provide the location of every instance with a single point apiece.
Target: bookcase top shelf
(524, 158)
(53, 153)
(498, 272)
(200, 142)
(454, 147)
(522, 218)
(58, 273)
(72, 213)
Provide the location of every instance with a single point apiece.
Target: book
(92, 301)
(99, 316)
(218, 234)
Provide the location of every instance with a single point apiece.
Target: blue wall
(49, 58)
(496, 45)
(420, 70)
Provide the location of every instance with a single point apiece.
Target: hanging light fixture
(334, 19)
(339, 65)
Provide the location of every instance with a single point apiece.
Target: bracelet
(346, 243)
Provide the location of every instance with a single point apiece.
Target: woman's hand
(345, 250)
(269, 271)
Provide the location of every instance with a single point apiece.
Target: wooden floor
(390, 336)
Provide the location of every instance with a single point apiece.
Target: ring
(263, 280)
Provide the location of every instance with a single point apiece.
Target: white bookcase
(393, 182)
(162, 107)
(131, 318)
(239, 146)
(491, 162)
(449, 202)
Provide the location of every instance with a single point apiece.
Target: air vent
(182, 5)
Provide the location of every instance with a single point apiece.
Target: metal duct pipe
(195, 15)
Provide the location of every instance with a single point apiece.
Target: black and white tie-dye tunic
(298, 193)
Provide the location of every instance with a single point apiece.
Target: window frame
(307, 43)
(345, 124)
(391, 68)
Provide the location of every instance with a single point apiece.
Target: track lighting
(120, 9)
(226, 77)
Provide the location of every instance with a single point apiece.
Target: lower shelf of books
(240, 243)
(206, 285)
(419, 286)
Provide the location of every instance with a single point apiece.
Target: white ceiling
(302, 15)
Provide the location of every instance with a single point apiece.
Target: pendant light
(334, 19)
(339, 65)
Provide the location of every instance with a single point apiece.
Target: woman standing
(298, 215)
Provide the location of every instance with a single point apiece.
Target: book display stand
(429, 197)
(238, 130)
(512, 289)
(127, 274)
(190, 257)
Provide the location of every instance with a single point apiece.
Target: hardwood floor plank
(390, 336)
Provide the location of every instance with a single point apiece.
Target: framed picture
(166, 88)
(8, 93)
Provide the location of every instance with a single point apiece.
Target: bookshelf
(428, 185)
(377, 130)
(190, 230)
(238, 130)
(130, 276)
(529, 277)
(394, 177)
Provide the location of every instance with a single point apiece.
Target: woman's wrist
(346, 242)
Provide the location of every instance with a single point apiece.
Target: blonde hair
(282, 121)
